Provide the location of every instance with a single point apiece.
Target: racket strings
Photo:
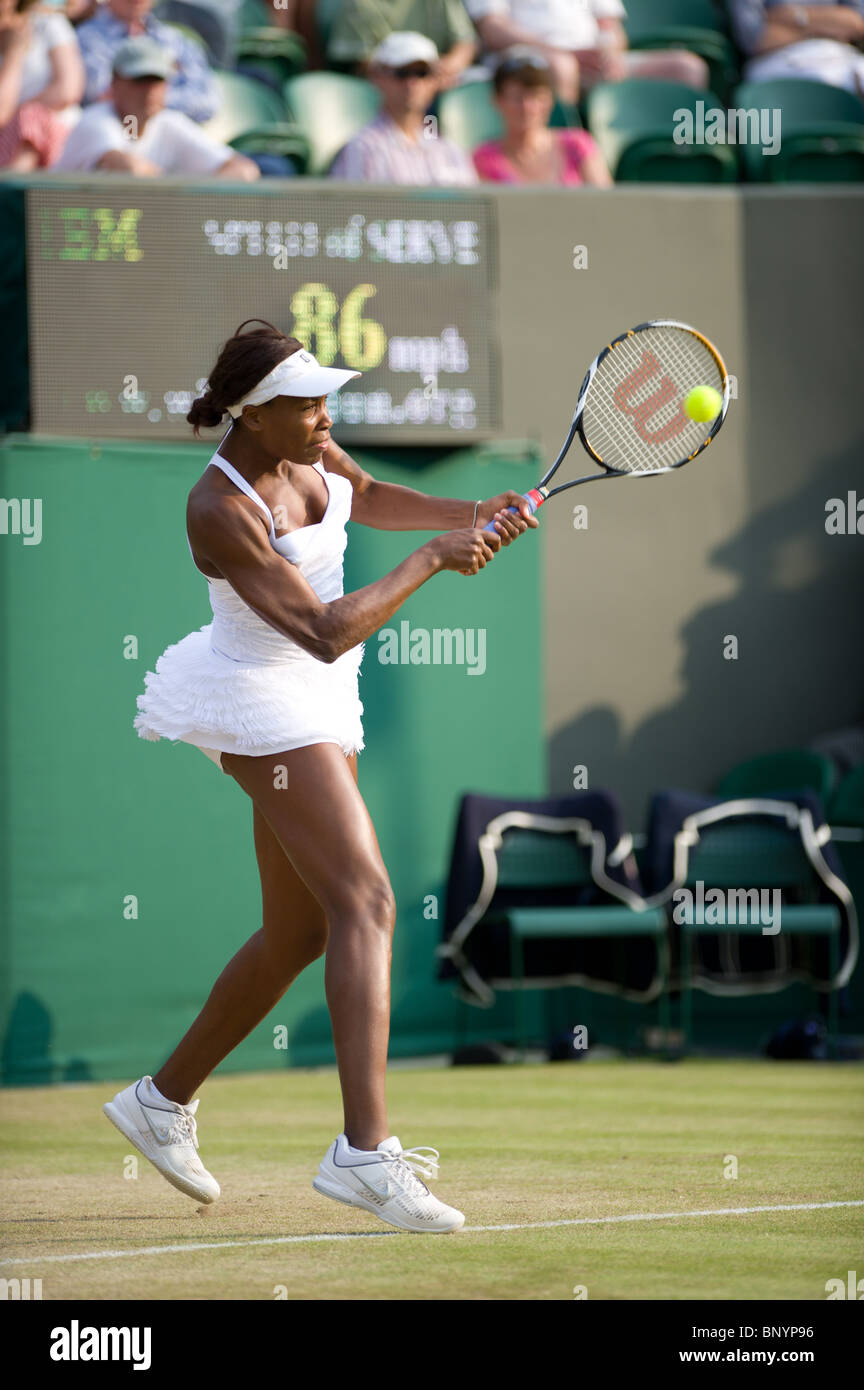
(633, 418)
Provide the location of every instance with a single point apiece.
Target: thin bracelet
(476, 506)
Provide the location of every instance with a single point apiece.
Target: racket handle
(535, 498)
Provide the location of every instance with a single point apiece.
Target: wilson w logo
(666, 392)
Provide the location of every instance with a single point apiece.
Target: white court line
(378, 1235)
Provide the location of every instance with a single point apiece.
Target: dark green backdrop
(93, 813)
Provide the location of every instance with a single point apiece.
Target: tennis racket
(630, 413)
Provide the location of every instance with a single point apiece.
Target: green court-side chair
(469, 117)
(790, 770)
(252, 118)
(846, 818)
(329, 107)
(846, 805)
(538, 859)
(821, 132)
(633, 123)
(767, 853)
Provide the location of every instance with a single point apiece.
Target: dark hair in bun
(243, 360)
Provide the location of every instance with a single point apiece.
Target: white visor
(298, 375)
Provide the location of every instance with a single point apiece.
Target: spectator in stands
(133, 132)
(528, 151)
(76, 11)
(399, 146)
(41, 84)
(584, 40)
(193, 87)
(361, 25)
(815, 41)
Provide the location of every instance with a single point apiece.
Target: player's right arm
(232, 534)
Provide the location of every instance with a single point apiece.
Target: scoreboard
(132, 292)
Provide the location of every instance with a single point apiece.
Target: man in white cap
(400, 146)
(133, 132)
(193, 88)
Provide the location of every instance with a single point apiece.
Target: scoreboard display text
(132, 293)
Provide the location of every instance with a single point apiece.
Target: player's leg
(321, 821)
(294, 933)
(669, 65)
(565, 74)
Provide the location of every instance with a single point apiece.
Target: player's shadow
(799, 670)
(26, 1057)
(27, 1054)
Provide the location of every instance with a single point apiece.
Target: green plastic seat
(790, 770)
(253, 14)
(697, 25)
(325, 16)
(821, 132)
(279, 52)
(633, 124)
(252, 118)
(469, 117)
(653, 16)
(329, 107)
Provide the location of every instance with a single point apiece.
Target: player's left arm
(391, 507)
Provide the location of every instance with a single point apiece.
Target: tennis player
(269, 691)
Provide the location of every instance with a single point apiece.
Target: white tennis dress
(239, 686)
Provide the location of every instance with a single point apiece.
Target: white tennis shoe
(167, 1136)
(383, 1182)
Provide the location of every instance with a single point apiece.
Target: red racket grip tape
(535, 498)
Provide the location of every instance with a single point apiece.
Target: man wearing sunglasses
(402, 144)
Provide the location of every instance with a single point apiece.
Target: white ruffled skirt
(198, 695)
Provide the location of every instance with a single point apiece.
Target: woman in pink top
(529, 151)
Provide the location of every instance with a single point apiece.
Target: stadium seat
(469, 117)
(204, 23)
(530, 859)
(325, 13)
(253, 14)
(633, 124)
(745, 852)
(790, 770)
(271, 54)
(329, 108)
(821, 132)
(697, 25)
(252, 119)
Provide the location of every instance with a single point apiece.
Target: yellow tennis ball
(703, 403)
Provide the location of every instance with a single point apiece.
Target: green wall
(92, 813)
